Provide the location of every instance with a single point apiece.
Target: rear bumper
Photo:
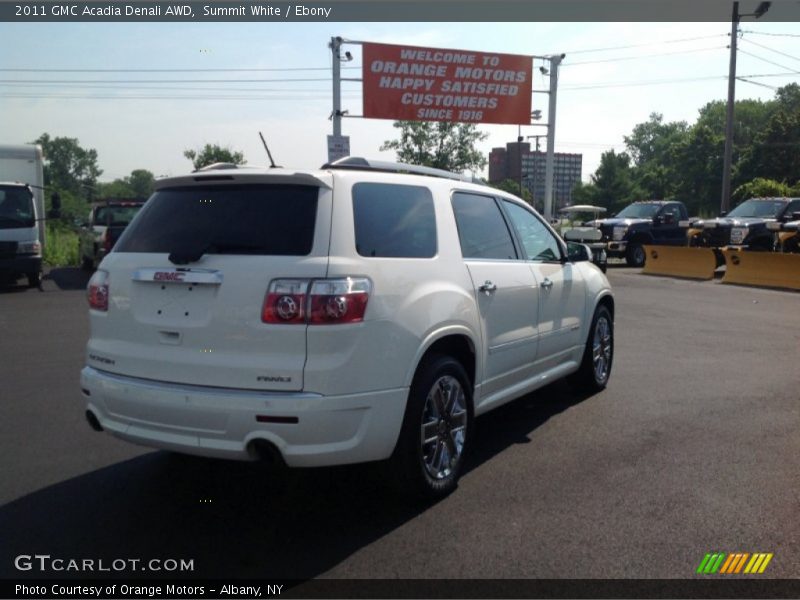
(222, 423)
(21, 265)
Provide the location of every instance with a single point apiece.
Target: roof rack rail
(362, 164)
(217, 167)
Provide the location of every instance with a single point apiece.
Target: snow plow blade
(763, 269)
(680, 261)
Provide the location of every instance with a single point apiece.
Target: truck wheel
(635, 256)
(34, 280)
(436, 432)
(598, 356)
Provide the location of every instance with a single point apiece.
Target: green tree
(760, 188)
(512, 187)
(613, 182)
(68, 167)
(142, 182)
(650, 146)
(442, 145)
(213, 153)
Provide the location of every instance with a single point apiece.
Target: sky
(613, 76)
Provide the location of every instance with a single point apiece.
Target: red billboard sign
(431, 84)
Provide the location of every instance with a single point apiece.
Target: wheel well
(459, 347)
(608, 302)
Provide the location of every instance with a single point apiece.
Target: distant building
(505, 163)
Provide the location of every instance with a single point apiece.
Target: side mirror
(722, 213)
(796, 215)
(578, 252)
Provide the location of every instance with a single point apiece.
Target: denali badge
(278, 379)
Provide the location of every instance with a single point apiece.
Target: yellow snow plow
(764, 269)
(680, 261)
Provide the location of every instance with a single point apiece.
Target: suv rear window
(394, 221)
(275, 220)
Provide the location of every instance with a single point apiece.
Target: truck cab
(22, 233)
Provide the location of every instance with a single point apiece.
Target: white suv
(361, 312)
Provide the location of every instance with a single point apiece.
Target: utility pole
(724, 204)
(762, 8)
(555, 61)
(519, 155)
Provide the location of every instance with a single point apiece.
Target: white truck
(22, 225)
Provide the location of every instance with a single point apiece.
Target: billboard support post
(549, 168)
(336, 67)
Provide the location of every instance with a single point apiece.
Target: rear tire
(598, 356)
(436, 432)
(635, 256)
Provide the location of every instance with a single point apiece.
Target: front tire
(635, 256)
(598, 356)
(34, 280)
(436, 431)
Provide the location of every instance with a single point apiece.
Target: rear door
(189, 277)
(505, 291)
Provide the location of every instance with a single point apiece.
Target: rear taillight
(338, 301)
(317, 302)
(97, 291)
(286, 301)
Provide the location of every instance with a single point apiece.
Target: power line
(766, 60)
(153, 97)
(606, 60)
(771, 87)
(204, 70)
(676, 41)
(111, 86)
(770, 49)
(89, 81)
(772, 34)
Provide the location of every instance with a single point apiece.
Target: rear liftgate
(765, 269)
(680, 261)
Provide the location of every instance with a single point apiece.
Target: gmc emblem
(168, 276)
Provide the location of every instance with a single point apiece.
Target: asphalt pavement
(693, 448)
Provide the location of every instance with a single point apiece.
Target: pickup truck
(106, 223)
(746, 226)
(640, 223)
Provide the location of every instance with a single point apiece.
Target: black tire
(635, 255)
(414, 467)
(588, 377)
(34, 279)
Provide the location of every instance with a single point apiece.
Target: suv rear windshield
(262, 219)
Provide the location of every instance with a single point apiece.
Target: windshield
(639, 211)
(16, 208)
(115, 215)
(758, 208)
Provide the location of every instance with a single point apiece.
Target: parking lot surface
(692, 448)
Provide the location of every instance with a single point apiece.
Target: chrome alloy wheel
(601, 349)
(444, 427)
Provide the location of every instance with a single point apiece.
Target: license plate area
(174, 297)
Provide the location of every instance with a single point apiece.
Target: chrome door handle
(488, 287)
(546, 283)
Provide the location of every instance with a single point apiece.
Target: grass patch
(61, 248)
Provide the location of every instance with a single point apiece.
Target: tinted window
(16, 208)
(226, 219)
(395, 221)
(539, 243)
(115, 215)
(481, 228)
(639, 211)
(758, 208)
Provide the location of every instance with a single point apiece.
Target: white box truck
(22, 224)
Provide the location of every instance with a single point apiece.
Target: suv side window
(482, 229)
(394, 221)
(539, 243)
(794, 206)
